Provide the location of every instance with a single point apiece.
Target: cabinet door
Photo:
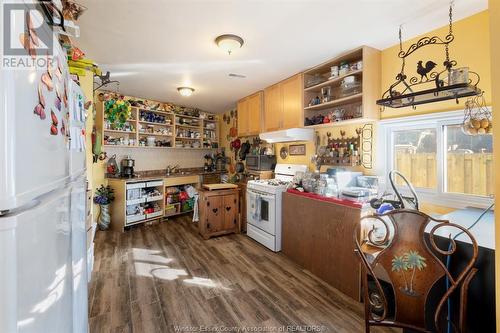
(273, 108)
(215, 214)
(254, 113)
(243, 117)
(291, 90)
(230, 205)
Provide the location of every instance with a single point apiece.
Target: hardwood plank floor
(166, 278)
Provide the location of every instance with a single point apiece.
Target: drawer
(135, 218)
(157, 198)
(136, 201)
(155, 214)
(131, 186)
(155, 183)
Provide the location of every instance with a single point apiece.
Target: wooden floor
(165, 278)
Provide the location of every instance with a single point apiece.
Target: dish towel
(196, 216)
(255, 207)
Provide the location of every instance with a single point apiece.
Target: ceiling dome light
(229, 43)
(185, 91)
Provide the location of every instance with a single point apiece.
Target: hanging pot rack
(432, 86)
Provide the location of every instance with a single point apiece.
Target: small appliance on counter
(364, 186)
(260, 162)
(127, 167)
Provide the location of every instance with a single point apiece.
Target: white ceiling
(154, 46)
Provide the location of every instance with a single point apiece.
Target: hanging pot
(236, 144)
(240, 167)
(245, 149)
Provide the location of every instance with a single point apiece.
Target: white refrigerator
(43, 265)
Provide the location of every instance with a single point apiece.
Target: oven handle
(270, 197)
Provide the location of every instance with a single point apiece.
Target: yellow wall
(494, 10)
(87, 85)
(471, 48)
(310, 149)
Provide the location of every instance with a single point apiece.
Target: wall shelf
(330, 82)
(356, 108)
(336, 102)
(136, 123)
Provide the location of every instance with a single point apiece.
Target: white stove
(264, 205)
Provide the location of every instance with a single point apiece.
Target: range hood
(288, 135)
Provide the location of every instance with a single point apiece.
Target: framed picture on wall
(297, 149)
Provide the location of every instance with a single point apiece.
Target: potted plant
(103, 197)
(117, 112)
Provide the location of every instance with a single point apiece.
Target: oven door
(261, 211)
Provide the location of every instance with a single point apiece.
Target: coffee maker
(127, 167)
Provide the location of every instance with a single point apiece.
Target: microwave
(261, 162)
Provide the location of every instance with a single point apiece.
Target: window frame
(435, 121)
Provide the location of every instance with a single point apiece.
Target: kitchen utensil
(240, 167)
(244, 150)
(112, 166)
(151, 141)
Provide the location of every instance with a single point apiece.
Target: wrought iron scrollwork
(432, 85)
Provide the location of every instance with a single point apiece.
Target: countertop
(161, 174)
(483, 232)
(359, 203)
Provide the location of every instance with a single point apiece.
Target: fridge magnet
(57, 101)
(58, 71)
(41, 99)
(297, 149)
(47, 81)
(55, 122)
(31, 30)
(65, 96)
(39, 111)
(50, 67)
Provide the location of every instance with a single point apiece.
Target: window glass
(415, 156)
(469, 162)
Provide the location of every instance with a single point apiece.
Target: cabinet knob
(215, 210)
(234, 221)
(208, 225)
(228, 208)
(208, 203)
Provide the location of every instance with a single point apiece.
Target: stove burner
(274, 182)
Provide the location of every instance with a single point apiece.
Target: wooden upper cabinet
(273, 108)
(250, 114)
(283, 106)
(242, 117)
(291, 90)
(254, 113)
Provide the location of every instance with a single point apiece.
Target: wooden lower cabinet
(318, 236)
(219, 212)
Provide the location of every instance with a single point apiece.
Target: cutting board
(221, 186)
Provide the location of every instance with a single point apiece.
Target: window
(469, 162)
(414, 154)
(445, 165)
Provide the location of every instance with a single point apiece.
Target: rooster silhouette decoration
(423, 71)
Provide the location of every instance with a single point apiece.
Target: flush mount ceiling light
(185, 91)
(229, 42)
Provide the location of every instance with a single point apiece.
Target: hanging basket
(477, 117)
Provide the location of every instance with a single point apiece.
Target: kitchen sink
(179, 173)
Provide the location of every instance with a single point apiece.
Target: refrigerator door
(79, 255)
(36, 267)
(34, 158)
